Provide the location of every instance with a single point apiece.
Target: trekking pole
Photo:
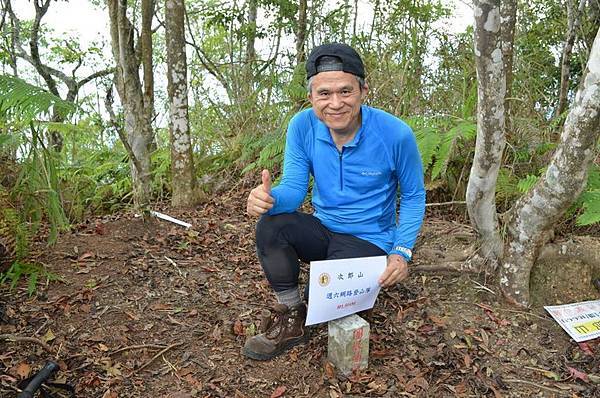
(37, 380)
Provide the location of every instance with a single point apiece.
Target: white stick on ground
(169, 218)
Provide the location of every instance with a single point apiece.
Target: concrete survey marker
(348, 345)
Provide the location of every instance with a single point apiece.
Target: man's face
(336, 98)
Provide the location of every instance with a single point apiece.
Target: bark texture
(574, 12)
(491, 89)
(509, 18)
(182, 164)
(301, 32)
(536, 213)
(136, 102)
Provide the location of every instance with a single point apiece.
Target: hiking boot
(281, 330)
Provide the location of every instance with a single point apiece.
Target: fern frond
(591, 206)
(466, 131)
(428, 141)
(593, 182)
(25, 102)
(525, 184)
(506, 185)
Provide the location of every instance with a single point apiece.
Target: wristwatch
(403, 251)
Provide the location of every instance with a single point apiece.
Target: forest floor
(156, 310)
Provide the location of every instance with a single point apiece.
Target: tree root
(18, 339)
(474, 264)
(583, 248)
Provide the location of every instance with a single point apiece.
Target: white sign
(343, 287)
(580, 320)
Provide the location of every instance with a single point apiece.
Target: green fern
(589, 201)
(506, 185)
(525, 184)
(591, 208)
(464, 131)
(428, 141)
(32, 272)
(24, 103)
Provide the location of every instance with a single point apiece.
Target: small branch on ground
(19, 339)
(144, 366)
(452, 266)
(136, 347)
(543, 387)
(454, 202)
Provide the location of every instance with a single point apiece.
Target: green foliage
(589, 201)
(17, 228)
(463, 132)
(32, 272)
(23, 103)
(525, 184)
(428, 141)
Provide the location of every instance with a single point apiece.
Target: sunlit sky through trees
(88, 24)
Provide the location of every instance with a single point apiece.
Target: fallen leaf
(551, 375)
(577, 374)
(418, 381)
(437, 320)
(594, 378)
(279, 391)
(585, 347)
(238, 328)
(484, 338)
(22, 370)
(161, 307)
(216, 333)
(102, 347)
(49, 336)
(494, 318)
(109, 394)
(193, 382)
(426, 329)
(86, 255)
(329, 370)
(467, 359)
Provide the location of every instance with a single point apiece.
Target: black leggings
(283, 239)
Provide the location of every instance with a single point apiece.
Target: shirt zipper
(341, 170)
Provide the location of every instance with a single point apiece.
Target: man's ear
(364, 92)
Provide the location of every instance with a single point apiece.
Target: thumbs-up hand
(260, 200)
(266, 180)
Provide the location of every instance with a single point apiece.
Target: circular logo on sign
(324, 279)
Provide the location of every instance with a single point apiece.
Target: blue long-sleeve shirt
(355, 190)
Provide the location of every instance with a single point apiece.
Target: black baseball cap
(334, 56)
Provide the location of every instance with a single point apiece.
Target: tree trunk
(147, 66)
(247, 83)
(182, 165)
(537, 212)
(301, 32)
(509, 18)
(573, 20)
(138, 128)
(491, 89)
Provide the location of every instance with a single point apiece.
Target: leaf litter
(162, 311)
